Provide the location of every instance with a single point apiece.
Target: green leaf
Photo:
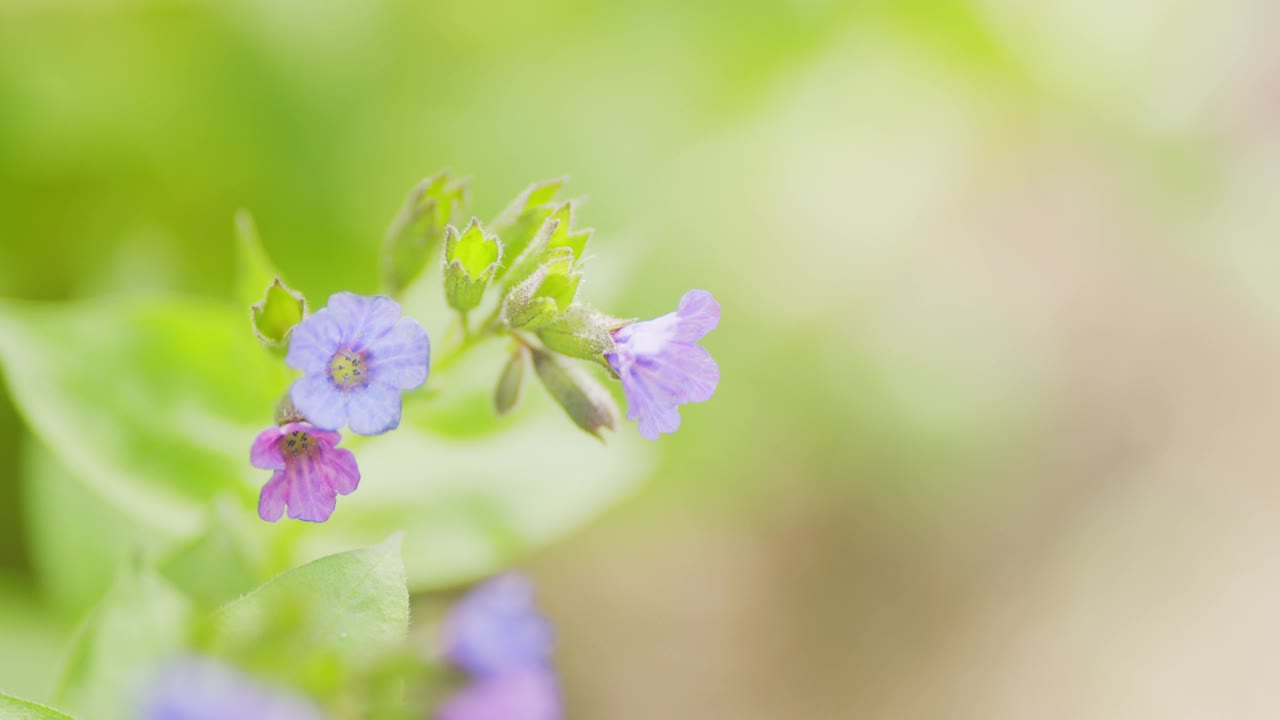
(152, 403)
(11, 708)
(470, 261)
(77, 539)
(587, 403)
(141, 621)
(312, 625)
(416, 231)
(254, 270)
(35, 639)
(511, 383)
(217, 566)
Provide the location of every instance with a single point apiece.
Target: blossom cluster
(357, 356)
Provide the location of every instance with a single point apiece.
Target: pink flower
(310, 471)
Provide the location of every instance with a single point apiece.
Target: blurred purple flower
(521, 694)
(661, 367)
(356, 355)
(194, 688)
(497, 628)
(310, 471)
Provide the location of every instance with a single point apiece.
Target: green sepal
(511, 383)
(470, 259)
(416, 231)
(581, 332)
(276, 314)
(587, 403)
(544, 295)
(564, 236)
(520, 222)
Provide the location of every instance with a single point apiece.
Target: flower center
(297, 444)
(349, 369)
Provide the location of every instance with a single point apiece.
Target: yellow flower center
(349, 369)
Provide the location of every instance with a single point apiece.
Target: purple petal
(363, 318)
(271, 500)
(265, 452)
(339, 467)
(373, 410)
(699, 314)
(319, 401)
(193, 688)
(648, 404)
(311, 497)
(526, 694)
(313, 342)
(496, 627)
(400, 358)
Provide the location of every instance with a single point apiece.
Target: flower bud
(581, 332)
(275, 315)
(521, 221)
(511, 383)
(470, 262)
(544, 295)
(587, 403)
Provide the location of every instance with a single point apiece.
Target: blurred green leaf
(152, 402)
(323, 619)
(12, 708)
(77, 538)
(140, 622)
(417, 229)
(217, 566)
(34, 640)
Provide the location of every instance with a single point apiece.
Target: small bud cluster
(357, 355)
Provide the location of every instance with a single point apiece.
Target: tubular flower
(497, 627)
(660, 365)
(194, 688)
(356, 355)
(310, 471)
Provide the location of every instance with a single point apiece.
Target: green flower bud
(470, 262)
(581, 332)
(544, 295)
(511, 383)
(276, 313)
(416, 230)
(587, 403)
(521, 221)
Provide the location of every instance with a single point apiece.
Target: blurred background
(996, 431)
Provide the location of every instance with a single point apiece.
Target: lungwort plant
(410, 405)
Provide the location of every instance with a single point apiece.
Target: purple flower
(310, 471)
(194, 688)
(496, 628)
(356, 355)
(522, 694)
(661, 367)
